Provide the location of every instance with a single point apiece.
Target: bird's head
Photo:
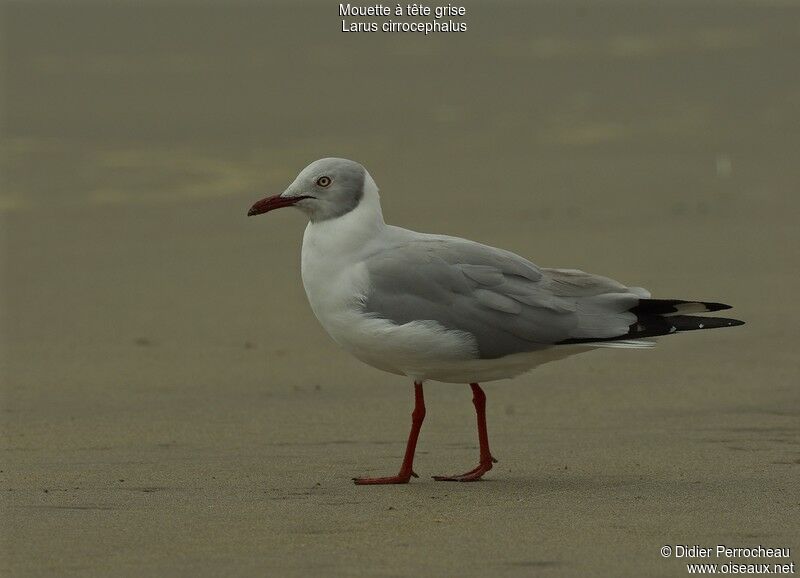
(325, 189)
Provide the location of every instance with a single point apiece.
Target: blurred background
(167, 391)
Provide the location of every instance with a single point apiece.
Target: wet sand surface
(170, 406)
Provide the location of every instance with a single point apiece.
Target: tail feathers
(668, 307)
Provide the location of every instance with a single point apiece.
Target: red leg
(406, 470)
(486, 459)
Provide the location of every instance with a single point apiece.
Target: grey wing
(507, 303)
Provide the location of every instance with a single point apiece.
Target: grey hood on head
(326, 189)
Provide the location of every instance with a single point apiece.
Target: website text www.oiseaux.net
(694, 557)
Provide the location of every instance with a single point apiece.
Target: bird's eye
(324, 181)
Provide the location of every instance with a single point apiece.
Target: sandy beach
(171, 407)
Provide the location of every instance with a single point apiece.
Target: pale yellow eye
(324, 181)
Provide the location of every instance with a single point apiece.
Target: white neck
(350, 233)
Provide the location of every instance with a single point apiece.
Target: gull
(441, 308)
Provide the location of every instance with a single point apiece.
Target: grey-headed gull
(439, 308)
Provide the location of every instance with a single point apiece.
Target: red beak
(270, 203)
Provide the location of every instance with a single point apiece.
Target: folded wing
(508, 304)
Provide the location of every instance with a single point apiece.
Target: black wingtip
(656, 325)
(646, 307)
(692, 322)
(716, 306)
